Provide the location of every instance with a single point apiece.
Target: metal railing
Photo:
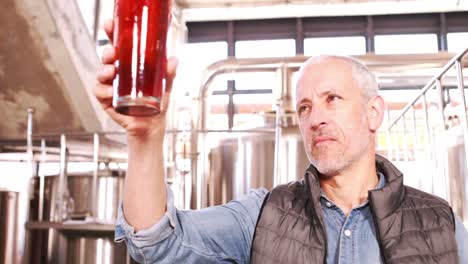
(435, 82)
(423, 138)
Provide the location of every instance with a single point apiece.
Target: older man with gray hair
(350, 207)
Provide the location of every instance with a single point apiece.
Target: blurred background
(232, 124)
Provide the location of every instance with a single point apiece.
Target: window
(399, 96)
(406, 44)
(265, 48)
(335, 46)
(255, 100)
(457, 41)
(203, 54)
(194, 59)
(256, 80)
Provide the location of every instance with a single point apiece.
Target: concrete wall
(47, 61)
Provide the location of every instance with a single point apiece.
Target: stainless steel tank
(57, 247)
(246, 161)
(83, 246)
(457, 174)
(96, 250)
(109, 194)
(8, 227)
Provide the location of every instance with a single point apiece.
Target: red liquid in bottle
(140, 34)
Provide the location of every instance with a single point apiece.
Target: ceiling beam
(239, 10)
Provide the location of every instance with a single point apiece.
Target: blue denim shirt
(223, 234)
(351, 239)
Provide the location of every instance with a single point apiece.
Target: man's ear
(375, 112)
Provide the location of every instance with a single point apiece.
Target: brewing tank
(457, 172)
(82, 246)
(240, 162)
(8, 227)
(109, 194)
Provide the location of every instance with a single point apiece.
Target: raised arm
(144, 181)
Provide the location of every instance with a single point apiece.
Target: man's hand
(140, 127)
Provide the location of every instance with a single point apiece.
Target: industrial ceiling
(205, 10)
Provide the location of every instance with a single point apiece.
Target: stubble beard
(330, 162)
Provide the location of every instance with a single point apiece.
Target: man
(351, 206)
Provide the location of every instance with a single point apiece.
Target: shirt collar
(379, 185)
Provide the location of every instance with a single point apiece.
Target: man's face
(332, 116)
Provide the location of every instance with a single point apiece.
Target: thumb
(172, 64)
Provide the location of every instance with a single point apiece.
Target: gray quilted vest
(412, 226)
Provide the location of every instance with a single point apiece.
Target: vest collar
(386, 200)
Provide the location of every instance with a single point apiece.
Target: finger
(172, 63)
(165, 102)
(109, 29)
(108, 107)
(118, 118)
(108, 55)
(107, 103)
(106, 74)
(103, 92)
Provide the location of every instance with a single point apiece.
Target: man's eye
(332, 98)
(303, 109)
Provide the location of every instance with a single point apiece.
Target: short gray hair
(365, 79)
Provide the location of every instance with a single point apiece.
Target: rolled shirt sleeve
(218, 234)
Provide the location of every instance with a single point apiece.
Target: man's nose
(317, 118)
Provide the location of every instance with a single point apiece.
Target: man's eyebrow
(327, 92)
(302, 101)
(322, 94)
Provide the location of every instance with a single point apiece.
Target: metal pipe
(232, 64)
(415, 144)
(415, 136)
(95, 175)
(61, 182)
(463, 115)
(29, 142)
(428, 128)
(441, 162)
(199, 182)
(24, 200)
(282, 102)
(429, 145)
(440, 91)
(276, 172)
(389, 135)
(42, 182)
(71, 156)
(397, 144)
(78, 134)
(405, 140)
(267, 131)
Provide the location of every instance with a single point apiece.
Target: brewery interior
(231, 124)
